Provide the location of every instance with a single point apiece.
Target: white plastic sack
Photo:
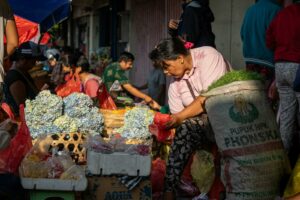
(253, 159)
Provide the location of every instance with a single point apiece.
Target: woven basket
(70, 142)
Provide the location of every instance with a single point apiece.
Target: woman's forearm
(194, 109)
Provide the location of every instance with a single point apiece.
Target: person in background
(53, 57)
(283, 38)
(257, 56)
(156, 85)
(194, 24)
(18, 84)
(67, 65)
(192, 72)
(61, 73)
(10, 187)
(7, 29)
(66, 50)
(117, 83)
(55, 67)
(90, 82)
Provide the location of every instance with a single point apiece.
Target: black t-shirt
(15, 75)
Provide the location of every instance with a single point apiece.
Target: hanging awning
(46, 13)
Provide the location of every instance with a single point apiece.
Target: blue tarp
(44, 12)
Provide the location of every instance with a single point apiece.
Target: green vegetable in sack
(240, 75)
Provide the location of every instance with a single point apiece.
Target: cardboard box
(109, 188)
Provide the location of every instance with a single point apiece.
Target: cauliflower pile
(50, 114)
(136, 123)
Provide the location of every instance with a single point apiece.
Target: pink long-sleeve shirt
(208, 66)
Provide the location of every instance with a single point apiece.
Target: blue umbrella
(44, 12)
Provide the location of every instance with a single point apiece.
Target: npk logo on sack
(243, 111)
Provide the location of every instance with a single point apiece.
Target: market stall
(120, 153)
(75, 146)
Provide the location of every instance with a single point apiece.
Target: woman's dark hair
(66, 60)
(168, 49)
(84, 64)
(126, 56)
(203, 2)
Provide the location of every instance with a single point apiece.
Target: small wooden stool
(51, 195)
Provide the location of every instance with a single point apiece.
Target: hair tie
(188, 45)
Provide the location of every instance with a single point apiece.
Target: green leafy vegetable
(239, 75)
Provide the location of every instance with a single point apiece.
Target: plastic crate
(54, 184)
(118, 164)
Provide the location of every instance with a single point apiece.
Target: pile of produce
(79, 107)
(136, 124)
(50, 114)
(65, 124)
(240, 75)
(41, 112)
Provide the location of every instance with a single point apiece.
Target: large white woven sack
(253, 159)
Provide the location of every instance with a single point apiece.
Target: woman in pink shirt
(90, 82)
(192, 71)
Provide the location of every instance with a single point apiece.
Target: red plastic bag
(72, 85)
(105, 100)
(11, 157)
(157, 178)
(158, 128)
(8, 111)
